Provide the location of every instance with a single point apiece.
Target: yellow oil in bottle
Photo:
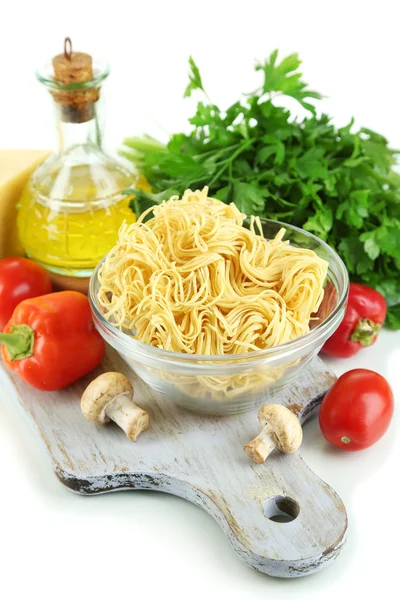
(71, 236)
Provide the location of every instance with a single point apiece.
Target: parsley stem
(230, 160)
(215, 152)
(230, 172)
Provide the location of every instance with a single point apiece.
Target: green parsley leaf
(195, 82)
(393, 317)
(248, 198)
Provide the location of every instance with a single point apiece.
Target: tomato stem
(19, 342)
(346, 440)
(365, 332)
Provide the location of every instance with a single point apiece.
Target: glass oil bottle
(72, 206)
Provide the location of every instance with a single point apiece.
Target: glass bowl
(229, 384)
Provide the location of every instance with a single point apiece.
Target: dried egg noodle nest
(193, 280)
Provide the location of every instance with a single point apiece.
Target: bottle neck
(78, 123)
(76, 91)
(79, 134)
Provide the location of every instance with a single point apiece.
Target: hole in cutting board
(281, 509)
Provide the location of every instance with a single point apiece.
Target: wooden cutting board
(279, 517)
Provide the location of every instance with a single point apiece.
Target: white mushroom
(280, 429)
(110, 396)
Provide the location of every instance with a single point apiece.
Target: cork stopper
(77, 105)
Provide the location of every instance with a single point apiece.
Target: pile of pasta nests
(192, 279)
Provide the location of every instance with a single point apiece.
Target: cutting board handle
(290, 528)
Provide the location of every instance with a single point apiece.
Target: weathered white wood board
(202, 460)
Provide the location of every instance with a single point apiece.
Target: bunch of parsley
(337, 183)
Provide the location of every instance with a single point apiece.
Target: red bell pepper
(363, 319)
(51, 341)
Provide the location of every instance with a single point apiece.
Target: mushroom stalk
(280, 429)
(130, 417)
(262, 445)
(110, 397)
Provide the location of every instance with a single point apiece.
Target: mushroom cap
(285, 426)
(100, 392)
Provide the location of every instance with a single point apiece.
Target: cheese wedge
(15, 168)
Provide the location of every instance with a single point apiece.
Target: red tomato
(20, 279)
(357, 410)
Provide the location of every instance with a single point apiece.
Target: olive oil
(71, 208)
(70, 236)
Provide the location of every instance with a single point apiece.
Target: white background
(54, 544)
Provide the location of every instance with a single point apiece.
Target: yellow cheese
(15, 168)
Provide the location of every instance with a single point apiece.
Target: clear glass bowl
(229, 384)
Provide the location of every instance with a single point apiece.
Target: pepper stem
(365, 332)
(19, 342)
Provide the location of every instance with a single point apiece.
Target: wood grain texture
(202, 460)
